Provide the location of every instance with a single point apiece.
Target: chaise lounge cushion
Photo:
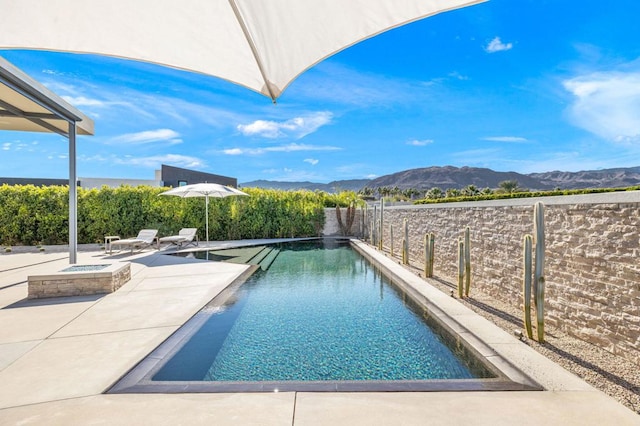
(144, 239)
(185, 236)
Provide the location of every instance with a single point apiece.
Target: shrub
(524, 194)
(32, 215)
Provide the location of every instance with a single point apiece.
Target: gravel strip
(603, 370)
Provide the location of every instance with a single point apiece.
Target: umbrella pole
(206, 209)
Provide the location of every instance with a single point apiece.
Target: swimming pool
(321, 318)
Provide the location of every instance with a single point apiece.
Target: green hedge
(502, 196)
(32, 215)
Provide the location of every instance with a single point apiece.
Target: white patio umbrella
(262, 45)
(204, 190)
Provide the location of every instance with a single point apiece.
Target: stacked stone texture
(592, 261)
(332, 227)
(79, 286)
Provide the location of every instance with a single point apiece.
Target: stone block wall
(332, 227)
(592, 259)
(119, 278)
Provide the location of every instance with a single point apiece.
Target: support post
(73, 197)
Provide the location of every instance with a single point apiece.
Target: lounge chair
(185, 237)
(144, 239)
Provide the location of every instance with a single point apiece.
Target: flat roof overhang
(28, 106)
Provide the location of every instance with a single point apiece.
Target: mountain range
(458, 177)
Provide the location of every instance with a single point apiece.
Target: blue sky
(525, 86)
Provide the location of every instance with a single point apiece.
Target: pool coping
(508, 377)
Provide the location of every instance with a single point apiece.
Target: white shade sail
(260, 44)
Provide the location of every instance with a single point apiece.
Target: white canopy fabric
(203, 189)
(260, 44)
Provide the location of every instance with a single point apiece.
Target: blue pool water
(318, 314)
(84, 268)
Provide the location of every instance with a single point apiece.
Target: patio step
(237, 255)
(258, 257)
(268, 260)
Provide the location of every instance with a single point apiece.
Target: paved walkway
(58, 356)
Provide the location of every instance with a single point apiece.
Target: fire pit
(80, 280)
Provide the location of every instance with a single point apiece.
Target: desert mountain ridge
(446, 177)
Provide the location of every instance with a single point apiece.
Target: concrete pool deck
(58, 356)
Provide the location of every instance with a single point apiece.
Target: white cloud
(311, 161)
(423, 142)
(149, 136)
(505, 139)
(79, 101)
(607, 105)
(292, 147)
(267, 129)
(458, 76)
(157, 160)
(118, 103)
(496, 45)
(297, 127)
(6, 146)
(97, 158)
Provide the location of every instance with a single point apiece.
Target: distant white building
(90, 183)
(166, 176)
